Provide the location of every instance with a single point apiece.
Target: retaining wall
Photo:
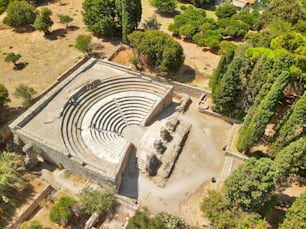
(29, 210)
(58, 157)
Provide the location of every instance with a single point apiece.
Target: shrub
(33, 224)
(162, 51)
(25, 92)
(65, 19)
(4, 96)
(164, 6)
(20, 14)
(82, 43)
(60, 213)
(99, 201)
(12, 57)
(226, 11)
(43, 21)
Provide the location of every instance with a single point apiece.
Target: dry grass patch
(46, 57)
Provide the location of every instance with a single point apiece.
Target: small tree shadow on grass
(20, 66)
(26, 29)
(8, 114)
(168, 15)
(10, 209)
(72, 28)
(185, 74)
(55, 34)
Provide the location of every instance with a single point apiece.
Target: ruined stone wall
(159, 107)
(58, 157)
(35, 204)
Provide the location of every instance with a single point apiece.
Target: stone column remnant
(31, 157)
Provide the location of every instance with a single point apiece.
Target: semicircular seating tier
(93, 119)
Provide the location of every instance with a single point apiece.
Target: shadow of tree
(72, 28)
(185, 74)
(26, 29)
(55, 34)
(20, 66)
(168, 15)
(10, 208)
(8, 114)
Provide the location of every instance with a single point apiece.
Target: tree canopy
(160, 49)
(226, 11)
(164, 6)
(256, 128)
(251, 185)
(291, 159)
(293, 127)
(296, 215)
(60, 212)
(4, 96)
(26, 93)
(82, 43)
(162, 220)
(288, 10)
(222, 216)
(43, 21)
(99, 201)
(111, 18)
(11, 168)
(20, 14)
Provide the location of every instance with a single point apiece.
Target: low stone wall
(35, 204)
(226, 119)
(178, 87)
(229, 144)
(126, 202)
(116, 51)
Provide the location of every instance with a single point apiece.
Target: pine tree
(251, 185)
(291, 159)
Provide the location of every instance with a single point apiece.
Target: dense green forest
(262, 82)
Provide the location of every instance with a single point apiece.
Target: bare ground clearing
(47, 58)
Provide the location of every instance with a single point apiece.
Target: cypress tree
(225, 60)
(293, 127)
(229, 87)
(256, 128)
(130, 16)
(269, 72)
